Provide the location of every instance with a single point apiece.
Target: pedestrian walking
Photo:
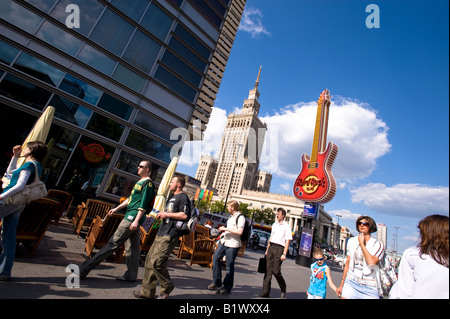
(359, 279)
(228, 247)
(277, 249)
(128, 231)
(320, 275)
(423, 271)
(34, 153)
(178, 208)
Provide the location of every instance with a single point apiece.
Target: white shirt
(358, 265)
(234, 222)
(420, 277)
(281, 233)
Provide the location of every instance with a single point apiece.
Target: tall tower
(242, 142)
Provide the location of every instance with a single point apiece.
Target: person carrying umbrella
(34, 153)
(178, 209)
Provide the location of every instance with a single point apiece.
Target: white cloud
(212, 139)
(251, 22)
(406, 200)
(345, 214)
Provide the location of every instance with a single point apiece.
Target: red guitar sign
(316, 183)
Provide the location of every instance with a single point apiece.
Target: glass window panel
(96, 59)
(193, 42)
(112, 32)
(129, 78)
(24, 92)
(128, 162)
(208, 12)
(19, 16)
(142, 51)
(7, 53)
(104, 126)
(70, 111)
(148, 146)
(115, 106)
(154, 126)
(61, 143)
(89, 13)
(175, 84)
(80, 89)
(187, 54)
(90, 159)
(43, 5)
(181, 68)
(133, 9)
(59, 38)
(217, 6)
(157, 22)
(176, 2)
(38, 69)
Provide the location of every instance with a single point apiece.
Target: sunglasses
(363, 224)
(141, 166)
(319, 259)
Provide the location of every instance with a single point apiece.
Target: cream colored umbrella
(163, 189)
(38, 133)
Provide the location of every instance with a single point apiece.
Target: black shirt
(178, 203)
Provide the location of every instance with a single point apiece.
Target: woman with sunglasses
(359, 279)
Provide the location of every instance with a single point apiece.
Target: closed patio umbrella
(163, 190)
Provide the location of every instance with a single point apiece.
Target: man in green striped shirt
(137, 204)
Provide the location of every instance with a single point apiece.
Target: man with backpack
(229, 244)
(276, 251)
(128, 231)
(178, 210)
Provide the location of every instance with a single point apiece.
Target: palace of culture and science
(237, 167)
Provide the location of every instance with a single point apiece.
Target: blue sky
(389, 113)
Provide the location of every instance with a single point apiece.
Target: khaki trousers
(156, 267)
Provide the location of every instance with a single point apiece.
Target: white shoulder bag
(31, 192)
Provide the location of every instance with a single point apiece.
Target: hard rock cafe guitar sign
(316, 183)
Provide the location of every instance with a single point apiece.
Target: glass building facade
(121, 75)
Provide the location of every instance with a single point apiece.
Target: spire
(257, 79)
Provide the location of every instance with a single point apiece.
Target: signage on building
(310, 211)
(93, 152)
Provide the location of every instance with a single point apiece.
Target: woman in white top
(360, 271)
(423, 271)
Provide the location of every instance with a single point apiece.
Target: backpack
(387, 276)
(188, 226)
(246, 232)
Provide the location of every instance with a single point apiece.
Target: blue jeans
(230, 254)
(9, 214)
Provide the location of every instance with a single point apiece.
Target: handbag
(31, 192)
(262, 265)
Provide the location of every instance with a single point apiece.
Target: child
(320, 273)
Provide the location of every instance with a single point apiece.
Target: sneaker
(163, 296)
(283, 294)
(262, 296)
(122, 278)
(139, 295)
(223, 291)
(213, 286)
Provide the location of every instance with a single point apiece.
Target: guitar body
(316, 183)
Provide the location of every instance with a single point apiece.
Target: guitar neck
(321, 128)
